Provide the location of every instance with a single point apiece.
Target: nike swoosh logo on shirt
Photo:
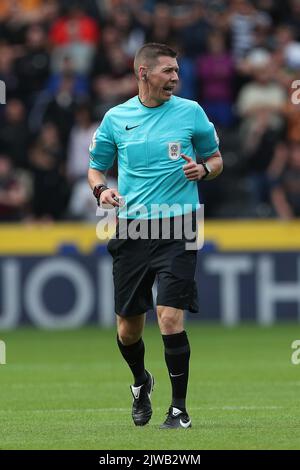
(129, 128)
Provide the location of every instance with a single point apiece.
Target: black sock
(134, 356)
(177, 355)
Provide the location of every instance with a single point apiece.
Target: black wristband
(98, 190)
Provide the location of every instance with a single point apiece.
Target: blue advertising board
(75, 290)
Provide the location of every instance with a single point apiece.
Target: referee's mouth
(168, 90)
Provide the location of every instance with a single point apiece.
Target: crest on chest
(174, 150)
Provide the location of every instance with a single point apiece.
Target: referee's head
(156, 70)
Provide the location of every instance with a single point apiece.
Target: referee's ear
(143, 73)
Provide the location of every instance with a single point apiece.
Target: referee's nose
(175, 77)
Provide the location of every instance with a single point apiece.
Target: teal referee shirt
(148, 143)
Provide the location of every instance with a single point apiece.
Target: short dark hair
(149, 53)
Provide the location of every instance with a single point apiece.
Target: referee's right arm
(102, 154)
(106, 195)
(95, 177)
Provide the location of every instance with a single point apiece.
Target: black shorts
(136, 264)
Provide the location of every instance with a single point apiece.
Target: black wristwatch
(98, 190)
(206, 168)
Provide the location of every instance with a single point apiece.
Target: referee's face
(162, 80)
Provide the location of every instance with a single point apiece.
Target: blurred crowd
(64, 63)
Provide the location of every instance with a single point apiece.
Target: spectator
(80, 81)
(260, 105)
(263, 92)
(58, 100)
(74, 35)
(242, 20)
(161, 29)
(80, 139)
(131, 35)
(215, 71)
(49, 183)
(14, 135)
(293, 18)
(262, 34)
(61, 107)
(191, 25)
(285, 193)
(33, 66)
(291, 111)
(287, 48)
(102, 61)
(13, 195)
(17, 15)
(19, 10)
(187, 87)
(8, 73)
(116, 84)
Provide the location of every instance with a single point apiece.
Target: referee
(157, 137)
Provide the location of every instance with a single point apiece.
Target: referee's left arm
(206, 143)
(207, 169)
(215, 163)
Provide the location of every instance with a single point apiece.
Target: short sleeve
(205, 138)
(103, 149)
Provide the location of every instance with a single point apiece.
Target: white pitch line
(123, 410)
(238, 408)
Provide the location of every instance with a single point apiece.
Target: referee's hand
(110, 197)
(192, 170)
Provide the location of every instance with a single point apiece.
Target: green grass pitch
(70, 390)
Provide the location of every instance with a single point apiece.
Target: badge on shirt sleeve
(93, 143)
(174, 150)
(217, 137)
